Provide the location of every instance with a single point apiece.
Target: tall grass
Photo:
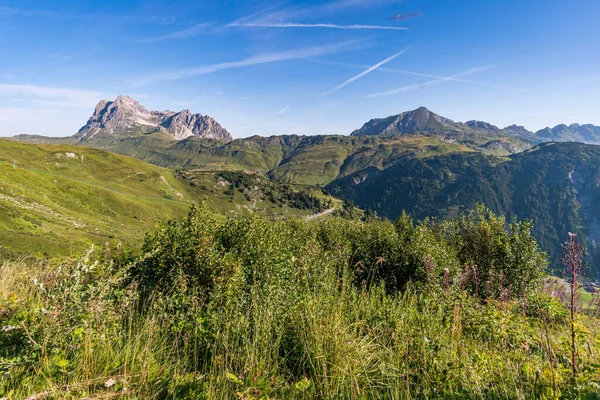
(282, 310)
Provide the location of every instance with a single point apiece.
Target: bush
(253, 309)
(502, 261)
(178, 255)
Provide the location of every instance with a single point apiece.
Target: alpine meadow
(315, 232)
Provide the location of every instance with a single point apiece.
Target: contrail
(365, 72)
(330, 26)
(282, 111)
(404, 72)
(456, 79)
(252, 16)
(430, 83)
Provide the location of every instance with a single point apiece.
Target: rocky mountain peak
(481, 125)
(517, 128)
(419, 120)
(125, 116)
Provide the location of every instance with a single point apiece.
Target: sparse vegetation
(256, 309)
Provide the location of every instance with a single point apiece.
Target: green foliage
(254, 309)
(501, 258)
(280, 194)
(178, 254)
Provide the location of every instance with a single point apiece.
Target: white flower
(109, 383)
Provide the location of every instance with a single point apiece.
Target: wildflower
(446, 278)
(109, 383)
(8, 328)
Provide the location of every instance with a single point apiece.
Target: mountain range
(418, 161)
(126, 117)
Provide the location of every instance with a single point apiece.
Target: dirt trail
(321, 214)
(179, 195)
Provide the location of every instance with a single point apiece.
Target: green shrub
(503, 260)
(257, 309)
(179, 255)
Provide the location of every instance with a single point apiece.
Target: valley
(417, 161)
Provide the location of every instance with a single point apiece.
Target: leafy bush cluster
(255, 309)
(277, 194)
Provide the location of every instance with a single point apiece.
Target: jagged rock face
(125, 115)
(185, 124)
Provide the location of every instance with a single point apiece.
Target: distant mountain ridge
(126, 114)
(192, 141)
(475, 134)
(123, 118)
(419, 120)
(424, 121)
(575, 133)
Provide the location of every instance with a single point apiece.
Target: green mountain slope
(58, 198)
(292, 159)
(555, 185)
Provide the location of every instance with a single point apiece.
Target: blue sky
(281, 67)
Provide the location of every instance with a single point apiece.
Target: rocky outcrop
(185, 124)
(126, 115)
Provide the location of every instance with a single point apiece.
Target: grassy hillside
(557, 186)
(61, 198)
(294, 159)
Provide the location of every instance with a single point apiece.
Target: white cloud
(181, 34)
(312, 11)
(65, 96)
(60, 56)
(365, 72)
(52, 14)
(266, 58)
(283, 18)
(44, 110)
(422, 74)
